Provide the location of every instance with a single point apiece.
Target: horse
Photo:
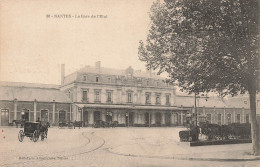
(17, 122)
(44, 130)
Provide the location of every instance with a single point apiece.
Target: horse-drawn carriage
(66, 124)
(33, 130)
(104, 124)
(78, 124)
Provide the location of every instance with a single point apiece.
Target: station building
(131, 97)
(32, 101)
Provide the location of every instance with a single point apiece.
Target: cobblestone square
(117, 147)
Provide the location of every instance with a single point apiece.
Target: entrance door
(147, 122)
(109, 116)
(168, 119)
(25, 114)
(129, 119)
(44, 116)
(85, 118)
(62, 116)
(179, 119)
(158, 119)
(97, 116)
(4, 117)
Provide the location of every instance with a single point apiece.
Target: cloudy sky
(33, 46)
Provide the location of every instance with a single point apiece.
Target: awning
(137, 107)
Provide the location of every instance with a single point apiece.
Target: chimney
(98, 66)
(62, 73)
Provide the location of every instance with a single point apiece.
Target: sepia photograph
(130, 83)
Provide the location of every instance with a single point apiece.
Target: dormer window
(147, 83)
(84, 78)
(97, 79)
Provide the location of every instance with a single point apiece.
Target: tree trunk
(254, 128)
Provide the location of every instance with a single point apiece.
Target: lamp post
(195, 106)
(195, 109)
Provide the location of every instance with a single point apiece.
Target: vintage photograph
(129, 83)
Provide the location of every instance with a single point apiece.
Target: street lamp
(195, 107)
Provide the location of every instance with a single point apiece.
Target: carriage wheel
(35, 136)
(20, 136)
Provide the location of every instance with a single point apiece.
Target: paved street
(117, 147)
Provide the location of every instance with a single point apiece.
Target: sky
(35, 40)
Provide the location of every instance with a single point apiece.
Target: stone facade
(133, 98)
(21, 106)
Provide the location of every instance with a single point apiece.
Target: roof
(30, 92)
(189, 101)
(240, 101)
(24, 84)
(110, 71)
(218, 102)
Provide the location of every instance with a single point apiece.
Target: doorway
(129, 118)
(85, 118)
(167, 119)
(147, 119)
(4, 117)
(158, 119)
(97, 116)
(44, 116)
(109, 116)
(62, 116)
(25, 115)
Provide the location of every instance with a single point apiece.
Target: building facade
(131, 97)
(24, 101)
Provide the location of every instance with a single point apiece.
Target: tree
(207, 45)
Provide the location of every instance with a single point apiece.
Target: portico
(126, 115)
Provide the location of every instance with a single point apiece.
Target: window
(84, 78)
(238, 118)
(84, 95)
(148, 98)
(229, 118)
(219, 119)
(157, 83)
(97, 79)
(109, 96)
(147, 83)
(97, 96)
(167, 99)
(209, 118)
(129, 97)
(245, 102)
(258, 103)
(158, 98)
(109, 80)
(247, 118)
